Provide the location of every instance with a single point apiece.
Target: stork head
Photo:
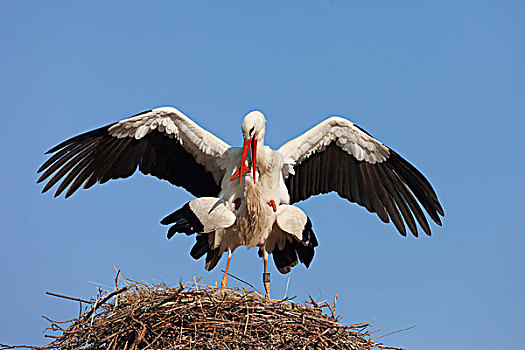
(252, 128)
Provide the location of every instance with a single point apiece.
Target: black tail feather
(309, 235)
(212, 258)
(184, 221)
(200, 247)
(305, 253)
(286, 258)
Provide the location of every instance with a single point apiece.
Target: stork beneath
(245, 195)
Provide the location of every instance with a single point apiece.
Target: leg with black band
(266, 274)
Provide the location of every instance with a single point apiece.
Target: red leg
(225, 277)
(266, 275)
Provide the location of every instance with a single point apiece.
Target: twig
(286, 291)
(240, 280)
(116, 278)
(69, 298)
(109, 296)
(394, 332)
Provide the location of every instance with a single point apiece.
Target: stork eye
(251, 130)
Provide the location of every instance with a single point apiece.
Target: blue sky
(441, 82)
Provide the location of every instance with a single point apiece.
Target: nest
(197, 316)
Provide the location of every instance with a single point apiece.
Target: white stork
(244, 198)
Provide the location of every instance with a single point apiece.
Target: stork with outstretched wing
(245, 195)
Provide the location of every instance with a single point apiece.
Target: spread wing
(337, 155)
(162, 142)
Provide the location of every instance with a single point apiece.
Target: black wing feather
(96, 156)
(389, 188)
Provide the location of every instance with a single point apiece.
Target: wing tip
(440, 209)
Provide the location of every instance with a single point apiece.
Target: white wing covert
(162, 142)
(337, 155)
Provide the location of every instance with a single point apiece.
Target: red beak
(243, 169)
(254, 157)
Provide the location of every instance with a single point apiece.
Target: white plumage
(206, 148)
(245, 198)
(347, 136)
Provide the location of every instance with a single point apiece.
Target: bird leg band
(266, 277)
